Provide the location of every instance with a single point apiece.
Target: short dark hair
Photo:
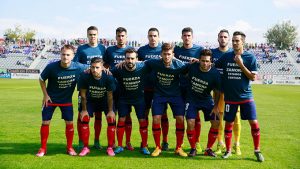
(131, 50)
(69, 47)
(240, 33)
(96, 60)
(121, 29)
(167, 46)
(92, 28)
(206, 52)
(223, 31)
(187, 29)
(153, 29)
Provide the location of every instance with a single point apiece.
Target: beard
(130, 66)
(96, 74)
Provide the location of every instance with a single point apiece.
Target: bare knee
(47, 122)
(215, 124)
(190, 124)
(156, 119)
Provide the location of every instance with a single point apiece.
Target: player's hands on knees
(84, 116)
(46, 99)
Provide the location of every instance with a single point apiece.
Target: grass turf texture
(278, 113)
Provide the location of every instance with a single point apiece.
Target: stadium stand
(18, 57)
(37, 56)
(276, 62)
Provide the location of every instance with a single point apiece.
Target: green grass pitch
(20, 108)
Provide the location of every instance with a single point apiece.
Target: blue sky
(70, 18)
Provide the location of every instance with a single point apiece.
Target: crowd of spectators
(30, 50)
(264, 52)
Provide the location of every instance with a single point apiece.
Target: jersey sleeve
(106, 58)
(110, 85)
(82, 67)
(114, 71)
(144, 67)
(45, 73)
(218, 63)
(82, 82)
(176, 49)
(253, 65)
(77, 55)
(103, 51)
(200, 50)
(140, 57)
(185, 68)
(218, 85)
(148, 64)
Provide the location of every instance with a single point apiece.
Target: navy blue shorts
(247, 110)
(95, 107)
(192, 110)
(66, 111)
(125, 109)
(116, 97)
(184, 91)
(148, 95)
(160, 102)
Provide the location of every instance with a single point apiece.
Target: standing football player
(62, 77)
(239, 68)
(84, 55)
(152, 51)
(187, 53)
(114, 55)
(223, 39)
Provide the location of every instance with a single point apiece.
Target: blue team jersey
(145, 53)
(166, 79)
(96, 88)
(85, 53)
(202, 83)
(131, 83)
(61, 81)
(235, 84)
(114, 55)
(217, 54)
(185, 55)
